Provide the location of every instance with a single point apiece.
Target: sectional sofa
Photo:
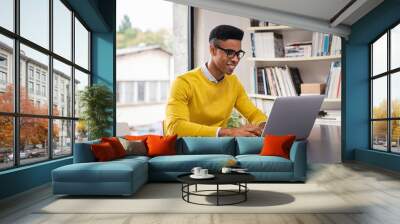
(125, 176)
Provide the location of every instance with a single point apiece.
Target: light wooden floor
(352, 182)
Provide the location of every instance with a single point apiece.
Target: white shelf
(269, 28)
(329, 103)
(297, 59)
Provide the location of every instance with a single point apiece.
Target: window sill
(30, 166)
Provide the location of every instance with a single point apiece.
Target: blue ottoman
(118, 177)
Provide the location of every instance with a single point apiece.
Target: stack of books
(277, 81)
(298, 49)
(267, 45)
(334, 81)
(325, 44)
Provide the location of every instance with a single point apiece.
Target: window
(45, 131)
(30, 87)
(140, 91)
(30, 73)
(385, 95)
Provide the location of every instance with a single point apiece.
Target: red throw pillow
(116, 145)
(275, 145)
(103, 152)
(161, 145)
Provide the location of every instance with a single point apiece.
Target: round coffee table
(238, 179)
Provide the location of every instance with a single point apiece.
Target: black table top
(220, 178)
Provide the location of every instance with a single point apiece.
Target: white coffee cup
(226, 170)
(203, 172)
(196, 170)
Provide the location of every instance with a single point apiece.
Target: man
(201, 100)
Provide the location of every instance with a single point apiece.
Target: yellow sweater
(197, 106)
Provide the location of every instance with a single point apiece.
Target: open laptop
(293, 115)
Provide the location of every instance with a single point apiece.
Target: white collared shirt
(210, 77)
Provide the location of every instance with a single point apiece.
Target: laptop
(293, 115)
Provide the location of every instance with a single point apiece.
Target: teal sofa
(125, 176)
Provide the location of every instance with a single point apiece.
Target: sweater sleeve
(177, 113)
(247, 108)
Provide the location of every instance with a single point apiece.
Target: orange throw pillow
(161, 145)
(103, 152)
(136, 137)
(116, 145)
(275, 145)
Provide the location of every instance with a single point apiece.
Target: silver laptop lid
(293, 115)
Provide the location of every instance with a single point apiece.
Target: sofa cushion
(257, 163)
(103, 152)
(206, 145)
(116, 145)
(161, 145)
(249, 145)
(185, 163)
(112, 171)
(277, 145)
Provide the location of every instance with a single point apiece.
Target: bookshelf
(314, 66)
(297, 59)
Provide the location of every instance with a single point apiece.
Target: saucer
(208, 176)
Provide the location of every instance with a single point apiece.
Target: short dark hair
(225, 32)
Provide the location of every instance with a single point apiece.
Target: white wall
(205, 21)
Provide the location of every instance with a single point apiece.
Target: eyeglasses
(232, 53)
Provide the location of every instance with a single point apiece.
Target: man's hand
(248, 130)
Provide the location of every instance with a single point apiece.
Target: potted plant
(96, 103)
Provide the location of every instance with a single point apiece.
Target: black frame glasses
(232, 53)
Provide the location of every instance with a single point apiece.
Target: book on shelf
(298, 49)
(267, 44)
(333, 83)
(325, 44)
(258, 23)
(277, 81)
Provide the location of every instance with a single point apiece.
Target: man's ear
(213, 50)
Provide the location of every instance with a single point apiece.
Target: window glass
(81, 45)
(81, 131)
(395, 95)
(379, 97)
(39, 62)
(379, 56)
(6, 142)
(379, 135)
(395, 136)
(6, 74)
(62, 91)
(34, 21)
(62, 29)
(81, 82)
(395, 47)
(33, 140)
(62, 138)
(7, 14)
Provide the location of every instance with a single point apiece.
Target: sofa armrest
(83, 152)
(298, 155)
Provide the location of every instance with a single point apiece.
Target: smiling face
(224, 63)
